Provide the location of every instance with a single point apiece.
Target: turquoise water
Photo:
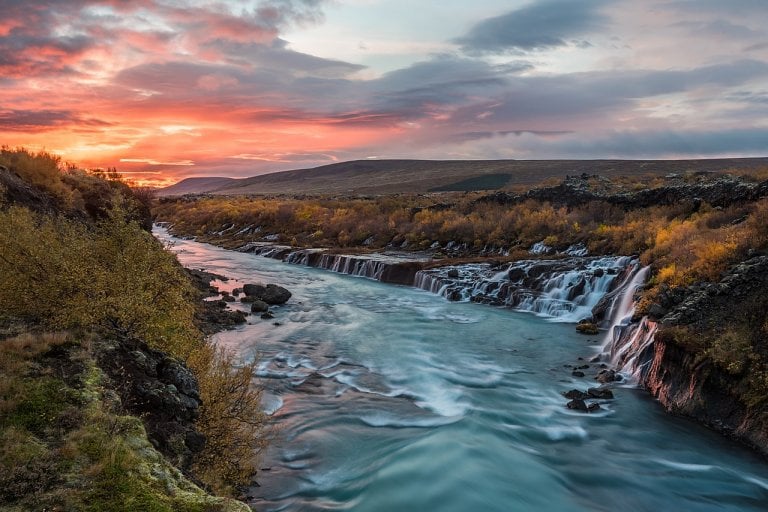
(393, 399)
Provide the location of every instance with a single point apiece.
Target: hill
(361, 177)
(196, 186)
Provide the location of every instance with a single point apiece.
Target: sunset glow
(164, 90)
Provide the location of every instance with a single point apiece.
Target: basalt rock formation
(709, 357)
(702, 351)
(718, 191)
(159, 389)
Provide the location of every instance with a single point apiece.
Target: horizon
(165, 91)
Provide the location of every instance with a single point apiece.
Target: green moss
(40, 405)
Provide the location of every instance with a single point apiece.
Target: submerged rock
(259, 306)
(606, 376)
(581, 405)
(600, 392)
(575, 394)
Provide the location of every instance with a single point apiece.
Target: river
(390, 398)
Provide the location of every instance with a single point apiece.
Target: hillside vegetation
(81, 282)
(422, 176)
(685, 241)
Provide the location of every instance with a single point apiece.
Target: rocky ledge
(160, 390)
(709, 360)
(717, 190)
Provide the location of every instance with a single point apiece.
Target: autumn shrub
(115, 278)
(42, 170)
(235, 427)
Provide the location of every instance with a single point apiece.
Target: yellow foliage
(116, 278)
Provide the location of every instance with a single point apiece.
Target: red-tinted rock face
(704, 392)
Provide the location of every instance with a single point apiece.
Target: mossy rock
(587, 328)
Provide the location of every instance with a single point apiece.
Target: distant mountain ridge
(196, 186)
(421, 176)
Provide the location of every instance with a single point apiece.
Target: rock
(516, 274)
(575, 394)
(276, 295)
(595, 359)
(254, 290)
(271, 293)
(259, 306)
(210, 318)
(228, 298)
(577, 373)
(593, 407)
(455, 295)
(587, 328)
(603, 393)
(577, 405)
(606, 376)
(583, 367)
(267, 315)
(577, 289)
(453, 273)
(160, 390)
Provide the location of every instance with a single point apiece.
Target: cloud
(720, 28)
(277, 56)
(152, 161)
(160, 84)
(539, 25)
(655, 144)
(42, 120)
(730, 7)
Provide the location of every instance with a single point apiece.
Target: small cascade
(389, 268)
(565, 290)
(626, 342)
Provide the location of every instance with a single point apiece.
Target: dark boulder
(577, 289)
(271, 293)
(606, 376)
(603, 393)
(453, 273)
(575, 394)
(577, 405)
(516, 274)
(259, 306)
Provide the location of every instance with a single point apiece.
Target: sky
(168, 89)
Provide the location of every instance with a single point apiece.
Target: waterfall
(388, 268)
(626, 342)
(565, 290)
